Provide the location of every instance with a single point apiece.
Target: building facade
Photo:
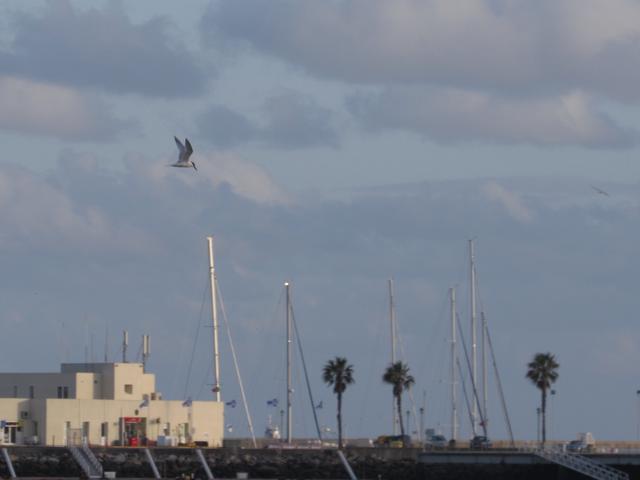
(101, 404)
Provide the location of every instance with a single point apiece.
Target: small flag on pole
(145, 403)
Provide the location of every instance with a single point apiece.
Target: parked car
(435, 442)
(578, 446)
(480, 442)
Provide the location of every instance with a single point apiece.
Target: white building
(102, 404)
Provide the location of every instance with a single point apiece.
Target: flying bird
(183, 154)
(600, 191)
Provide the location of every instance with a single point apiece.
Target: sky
(339, 144)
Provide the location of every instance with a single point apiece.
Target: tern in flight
(600, 191)
(184, 154)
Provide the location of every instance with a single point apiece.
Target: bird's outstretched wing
(600, 191)
(189, 147)
(179, 144)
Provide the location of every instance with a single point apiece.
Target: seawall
(367, 463)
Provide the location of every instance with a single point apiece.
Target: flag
(187, 403)
(145, 403)
(232, 403)
(272, 402)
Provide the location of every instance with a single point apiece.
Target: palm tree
(542, 371)
(397, 374)
(338, 373)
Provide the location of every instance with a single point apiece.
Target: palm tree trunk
(399, 403)
(340, 421)
(544, 416)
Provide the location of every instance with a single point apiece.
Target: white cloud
(454, 115)
(45, 109)
(511, 201)
(517, 46)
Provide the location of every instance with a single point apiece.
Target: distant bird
(600, 191)
(183, 154)
(319, 405)
(273, 402)
(232, 403)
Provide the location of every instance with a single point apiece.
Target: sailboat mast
(474, 368)
(214, 319)
(484, 368)
(289, 354)
(392, 321)
(454, 413)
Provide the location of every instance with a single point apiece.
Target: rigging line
(235, 364)
(195, 342)
(306, 374)
(464, 391)
(473, 384)
(499, 382)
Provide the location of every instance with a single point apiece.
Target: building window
(15, 391)
(65, 392)
(128, 388)
(32, 391)
(59, 392)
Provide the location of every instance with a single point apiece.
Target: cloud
(509, 46)
(101, 49)
(288, 120)
(509, 200)
(453, 115)
(44, 109)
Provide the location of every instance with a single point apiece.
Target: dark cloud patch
(101, 49)
(289, 120)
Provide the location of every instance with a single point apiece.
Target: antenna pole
(125, 343)
(287, 287)
(214, 318)
(392, 320)
(454, 413)
(474, 368)
(145, 351)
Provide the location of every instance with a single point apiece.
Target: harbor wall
(367, 463)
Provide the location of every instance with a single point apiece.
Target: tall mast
(289, 353)
(454, 412)
(125, 344)
(392, 321)
(474, 368)
(484, 368)
(214, 319)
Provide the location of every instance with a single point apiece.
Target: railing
(582, 465)
(7, 460)
(85, 464)
(203, 461)
(152, 462)
(92, 459)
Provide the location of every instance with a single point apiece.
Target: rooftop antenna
(106, 342)
(214, 319)
(146, 350)
(125, 344)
